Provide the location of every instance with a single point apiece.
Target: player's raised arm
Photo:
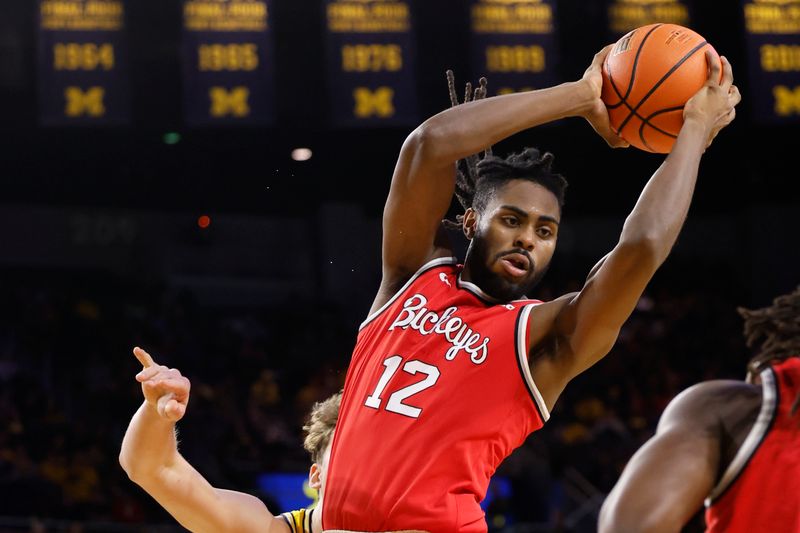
(571, 334)
(665, 482)
(424, 177)
(150, 457)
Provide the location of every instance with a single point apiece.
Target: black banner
(83, 63)
(772, 30)
(514, 43)
(228, 62)
(371, 69)
(627, 15)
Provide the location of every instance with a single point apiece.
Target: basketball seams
(646, 122)
(656, 90)
(636, 61)
(616, 90)
(664, 78)
(624, 99)
(637, 115)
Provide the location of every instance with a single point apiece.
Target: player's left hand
(715, 103)
(597, 114)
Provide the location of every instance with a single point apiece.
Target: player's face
(513, 240)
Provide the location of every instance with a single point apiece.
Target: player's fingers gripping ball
(648, 76)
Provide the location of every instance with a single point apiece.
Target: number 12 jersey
(437, 394)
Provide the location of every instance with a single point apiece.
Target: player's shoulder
(705, 404)
(394, 282)
(526, 301)
(544, 313)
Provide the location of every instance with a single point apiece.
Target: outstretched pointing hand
(164, 389)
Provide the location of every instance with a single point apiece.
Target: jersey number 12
(395, 403)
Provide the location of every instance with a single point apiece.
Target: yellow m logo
(379, 102)
(84, 103)
(787, 101)
(233, 102)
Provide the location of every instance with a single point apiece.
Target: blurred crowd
(67, 392)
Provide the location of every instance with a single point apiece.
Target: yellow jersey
(299, 521)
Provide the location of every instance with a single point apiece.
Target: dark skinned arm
(424, 177)
(571, 334)
(665, 482)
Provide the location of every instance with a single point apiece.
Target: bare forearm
(150, 457)
(664, 203)
(149, 443)
(471, 127)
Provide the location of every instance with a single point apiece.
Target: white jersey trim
(427, 266)
(754, 438)
(524, 364)
(477, 291)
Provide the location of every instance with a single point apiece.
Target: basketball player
(733, 444)
(454, 367)
(150, 457)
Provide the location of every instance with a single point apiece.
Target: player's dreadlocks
(776, 329)
(478, 175)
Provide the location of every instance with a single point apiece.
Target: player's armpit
(588, 322)
(572, 333)
(545, 350)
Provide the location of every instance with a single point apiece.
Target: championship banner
(228, 62)
(371, 73)
(514, 44)
(83, 63)
(773, 52)
(627, 15)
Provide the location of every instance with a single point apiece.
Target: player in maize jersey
(731, 444)
(454, 368)
(150, 457)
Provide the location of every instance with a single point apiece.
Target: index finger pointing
(143, 357)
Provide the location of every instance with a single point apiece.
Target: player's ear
(315, 477)
(470, 223)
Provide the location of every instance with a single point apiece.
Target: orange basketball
(647, 78)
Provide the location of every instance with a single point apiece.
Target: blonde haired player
(150, 457)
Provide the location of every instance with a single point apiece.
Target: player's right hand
(164, 389)
(597, 114)
(714, 105)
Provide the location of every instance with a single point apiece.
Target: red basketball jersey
(760, 490)
(437, 394)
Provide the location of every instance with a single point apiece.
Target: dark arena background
(206, 179)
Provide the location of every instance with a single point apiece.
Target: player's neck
(316, 518)
(466, 273)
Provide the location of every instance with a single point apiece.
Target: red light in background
(204, 221)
